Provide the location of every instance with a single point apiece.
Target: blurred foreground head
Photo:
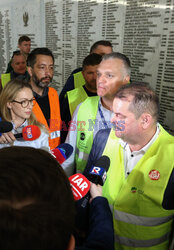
(36, 203)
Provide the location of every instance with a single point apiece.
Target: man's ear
(71, 245)
(30, 70)
(146, 120)
(126, 79)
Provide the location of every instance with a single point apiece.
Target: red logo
(154, 175)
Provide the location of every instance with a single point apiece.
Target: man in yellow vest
(78, 95)
(41, 68)
(76, 79)
(95, 112)
(140, 180)
(19, 69)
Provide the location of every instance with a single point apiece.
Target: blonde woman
(16, 103)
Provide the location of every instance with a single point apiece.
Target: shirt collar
(19, 129)
(146, 147)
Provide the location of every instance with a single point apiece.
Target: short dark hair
(36, 202)
(23, 39)
(101, 42)
(31, 59)
(16, 53)
(117, 55)
(144, 99)
(92, 59)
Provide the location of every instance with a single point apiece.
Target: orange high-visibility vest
(55, 119)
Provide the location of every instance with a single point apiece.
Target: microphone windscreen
(80, 186)
(62, 152)
(97, 173)
(5, 126)
(103, 162)
(31, 132)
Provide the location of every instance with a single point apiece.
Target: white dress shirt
(131, 158)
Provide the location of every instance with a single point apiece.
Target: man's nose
(48, 71)
(100, 78)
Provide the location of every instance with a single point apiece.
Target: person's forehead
(91, 67)
(24, 91)
(110, 64)
(25, 42)
(122, 102)
(101, 49)
(18, 58)
(44, 59)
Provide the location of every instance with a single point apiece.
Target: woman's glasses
(26, 102)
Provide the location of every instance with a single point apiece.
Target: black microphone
(5, 127)
(97, 173)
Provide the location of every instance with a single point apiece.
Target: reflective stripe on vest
(55, 120)
(5, 78)
(55, 134)
(78, 79)
(82, 155)
(75, 97)
(141, 243)
(85, 138)
(139, 218)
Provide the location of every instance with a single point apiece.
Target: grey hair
(124, 58)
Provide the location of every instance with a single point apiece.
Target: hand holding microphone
(29, 133)
(95, 191)
(6, 136)
(80, 185)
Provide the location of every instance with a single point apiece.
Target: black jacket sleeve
(101, 232)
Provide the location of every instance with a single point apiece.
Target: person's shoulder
(76, 90)
(76, 71)
(91, 99)
(52, 90)
(166, 136)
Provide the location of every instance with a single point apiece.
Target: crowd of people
(100, 112)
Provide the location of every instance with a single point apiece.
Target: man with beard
(41, 68)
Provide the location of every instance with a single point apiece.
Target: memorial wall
(141, 29)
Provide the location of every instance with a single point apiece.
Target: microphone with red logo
(62, 152)
(80, 186)
(97, 175)
(29, 133)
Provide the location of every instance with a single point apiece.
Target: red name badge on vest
(154, 175)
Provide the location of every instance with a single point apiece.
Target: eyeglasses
(26, 102)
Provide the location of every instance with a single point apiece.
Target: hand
(7, 138)
(95, 190)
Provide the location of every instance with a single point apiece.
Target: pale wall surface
(141, 29)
